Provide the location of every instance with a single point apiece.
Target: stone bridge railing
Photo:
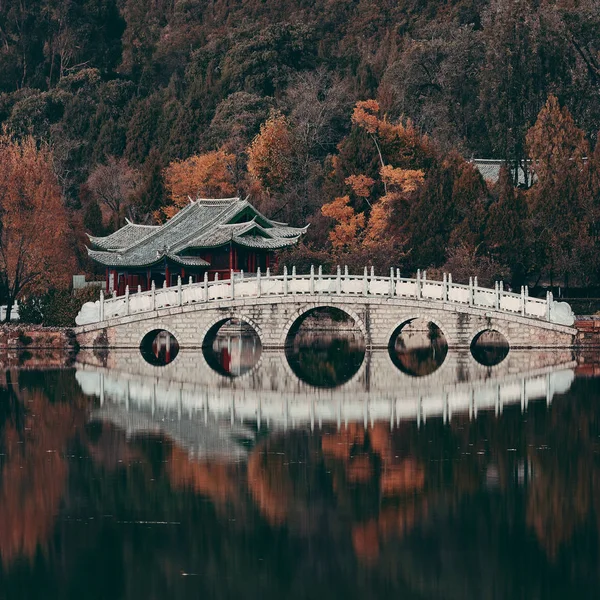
(341, 283)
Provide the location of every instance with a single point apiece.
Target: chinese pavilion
(207, 236)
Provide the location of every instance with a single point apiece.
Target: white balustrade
(338, 283)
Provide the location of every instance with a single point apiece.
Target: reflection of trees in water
(419, 362)
(470, 509)
(326, 361)
(34, 433)
(419, 349)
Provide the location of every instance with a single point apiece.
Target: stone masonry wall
(376, 317)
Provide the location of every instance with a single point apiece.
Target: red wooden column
(167, 276)
(148, 279)
(230, 257)
(107, 278)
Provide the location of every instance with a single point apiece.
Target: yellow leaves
(349, 224)
(404, 180)
(209, 175)
(270, 154)
(361, 185)
(366, 115)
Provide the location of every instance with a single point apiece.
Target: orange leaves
(378, 222)
(209, 175)
(34, 239)
(405, 180)
(568, 146)
(361, 185)
(349, 224)
(366, 115)
(270, 154)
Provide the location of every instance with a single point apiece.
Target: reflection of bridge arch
(269, 394)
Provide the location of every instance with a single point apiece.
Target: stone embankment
(588, 331)
(28, 337)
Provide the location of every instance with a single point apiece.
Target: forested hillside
(264, 94)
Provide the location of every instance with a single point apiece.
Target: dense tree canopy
(273, 86)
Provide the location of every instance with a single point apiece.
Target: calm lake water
(321, 472)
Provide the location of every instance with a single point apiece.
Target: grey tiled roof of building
(203, 223)
(124, 237)
(490, 170)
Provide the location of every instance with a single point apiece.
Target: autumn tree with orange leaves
(210, 175)
(270, 156)
(34, 224)
(363, 234)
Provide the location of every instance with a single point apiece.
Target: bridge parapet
(339, 284)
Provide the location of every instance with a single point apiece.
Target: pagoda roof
(204, 223)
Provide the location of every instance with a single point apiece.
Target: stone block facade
(377, 317)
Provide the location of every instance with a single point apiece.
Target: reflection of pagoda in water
(236, 354)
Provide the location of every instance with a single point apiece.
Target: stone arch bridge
(274, 305)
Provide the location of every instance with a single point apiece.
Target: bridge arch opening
(418, 347)
(325, 347)
(489, 347)
(232, 347)
(159, 347)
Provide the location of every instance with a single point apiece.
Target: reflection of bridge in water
(210, 414)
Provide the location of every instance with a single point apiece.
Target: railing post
(339, 280)
(471, 292)
(205, 287)
(320, 274)
(312, 279)
(231, 275)
(179, 291)
(346, 272)
(418, 283)
(216, 276)
(449, 283)
(258, 290)
(293, 279)
(285, 280)
(153, 295)
(268, 274)
(101, 307)
(444, 287)
(523, 300)
(190, 280)
(549, 305)
(497, 294)
(139, 290)
(391, 282)
(365, 283)
(372, 272)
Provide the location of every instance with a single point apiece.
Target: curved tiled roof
(115, 259)
(203, 223)
(124, 237)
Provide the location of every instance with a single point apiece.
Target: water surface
(326, 471)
